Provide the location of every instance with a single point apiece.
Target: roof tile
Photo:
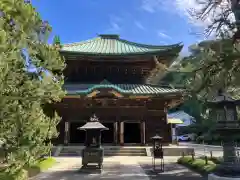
(137, 89)
(113, 45)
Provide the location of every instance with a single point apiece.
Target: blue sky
(157, 22)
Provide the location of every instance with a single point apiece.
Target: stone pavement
(118, 167)
(172, 171)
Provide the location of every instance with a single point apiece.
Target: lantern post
(224, 109)
(157, 152)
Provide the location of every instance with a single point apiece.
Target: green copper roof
(106, 45)
(127, 89)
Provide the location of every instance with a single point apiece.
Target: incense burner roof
(113, 45)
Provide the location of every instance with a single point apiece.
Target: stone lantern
(157, 152)
(224, 109)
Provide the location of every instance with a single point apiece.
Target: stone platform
(175, 151)
(126, 150)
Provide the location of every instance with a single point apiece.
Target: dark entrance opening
(77, 136)
(132, 132)
(108, 135)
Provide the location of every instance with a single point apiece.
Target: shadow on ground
(117, 171)
(172, 171)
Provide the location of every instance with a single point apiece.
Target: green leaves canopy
(24, 126)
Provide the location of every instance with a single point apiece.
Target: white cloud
(182, 8)
(139, 25)
(153, 6)
(149, 5)
(163, 35)
(115, 24)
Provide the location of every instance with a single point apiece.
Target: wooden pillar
(115, 133)
(121, 133)
(143, 133)
(66, 133)
(173, 131)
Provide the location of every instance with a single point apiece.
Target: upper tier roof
(112, 45)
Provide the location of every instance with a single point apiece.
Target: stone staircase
(108, 151)
(70, 151)
(125, 151)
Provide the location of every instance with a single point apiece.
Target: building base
(215, 177)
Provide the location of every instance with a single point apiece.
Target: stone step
(53, 150)
(124, 154)
(106, 154)
(66, 151)
(69, 154)
(107, 149)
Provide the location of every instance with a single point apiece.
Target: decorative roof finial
(94, 118)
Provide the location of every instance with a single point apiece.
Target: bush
(198, 165)
(22, 175)
(40, 166)
(216, 160)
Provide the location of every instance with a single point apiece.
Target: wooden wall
(152, 113)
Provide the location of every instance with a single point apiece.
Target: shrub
(23, 174)
(40, 166)
(216, 160)
(198, 165)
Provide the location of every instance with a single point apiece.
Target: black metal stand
(161, 164)
(157, 153)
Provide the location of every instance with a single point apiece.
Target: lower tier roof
(125, 89)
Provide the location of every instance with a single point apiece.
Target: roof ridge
(147, 45)
(81, 42)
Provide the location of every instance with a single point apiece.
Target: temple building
(110, 77)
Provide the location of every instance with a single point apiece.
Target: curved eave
(170, 51)
(169, 92)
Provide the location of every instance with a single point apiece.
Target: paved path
(124, 168)
(204, 149)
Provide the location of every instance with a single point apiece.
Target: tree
(206, 81)
(25, 125)
(221, 64)
(222, 17)
(215, 65)
(57, 41)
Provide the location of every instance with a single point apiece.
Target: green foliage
(40, 166)
(215, 160)
(31, 171)
(57, 41)
(24, 126)
(23, 174)
(198, 165)
(176, 78)
(215, 65)
(45, 163)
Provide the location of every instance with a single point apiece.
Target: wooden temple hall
(108, 76)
